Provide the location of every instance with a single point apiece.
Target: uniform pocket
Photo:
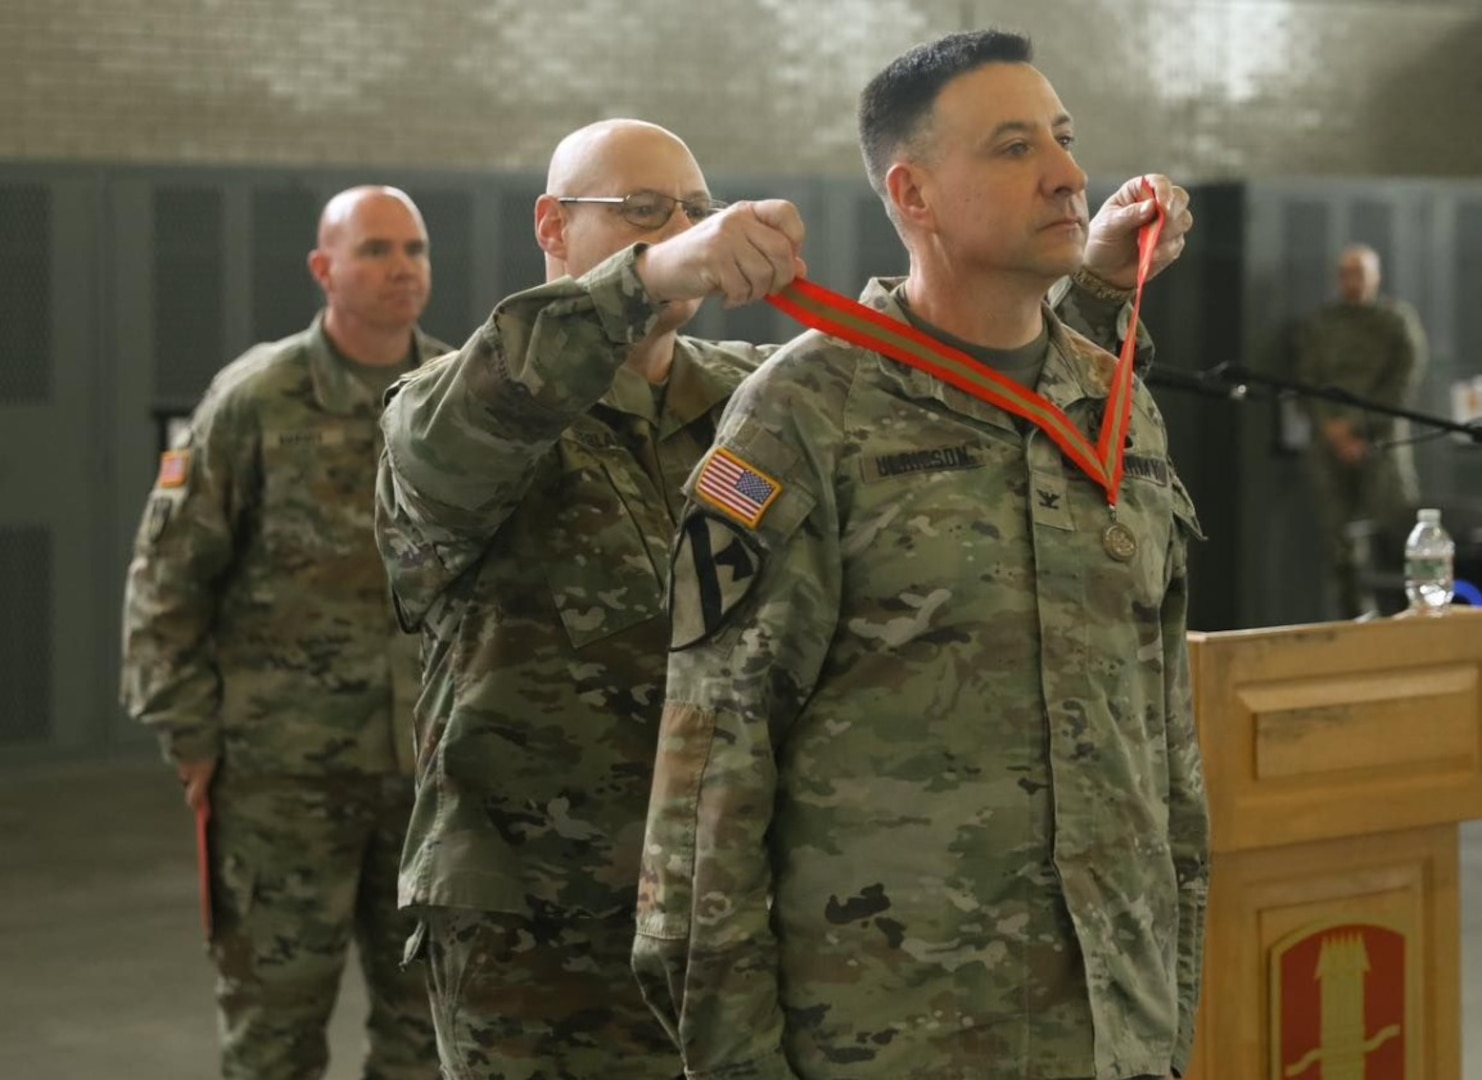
(1146, 509)
(446, 946)
(233, 887)
(597, 562)
(416, 946)
(233, 897)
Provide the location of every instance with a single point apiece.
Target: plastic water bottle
(1429, 564)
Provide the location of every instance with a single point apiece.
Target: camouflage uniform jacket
(528, 495)
(1374, 351)
(528, 499)
(257, 620)
(928, 799)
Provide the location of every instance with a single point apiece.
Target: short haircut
(895, 107)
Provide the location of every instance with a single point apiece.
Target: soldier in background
(528, 498)
(1362, 465)
(928, 799)
(259, 645)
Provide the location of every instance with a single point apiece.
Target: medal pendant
(1119, 542)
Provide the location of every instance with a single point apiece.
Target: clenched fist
(745, 252)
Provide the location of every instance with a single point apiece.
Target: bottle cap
(1430, 516)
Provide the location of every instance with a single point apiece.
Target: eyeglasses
(649, 209)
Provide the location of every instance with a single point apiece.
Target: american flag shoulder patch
(174, 469)
(739, 490)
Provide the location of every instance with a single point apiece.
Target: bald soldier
(260, 646)
(1362, 466)
(927, 801)
(528, 496)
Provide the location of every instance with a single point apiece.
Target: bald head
(610, 159)
(341, 210)
(1358, 274)
(372, 263)
(592, 156)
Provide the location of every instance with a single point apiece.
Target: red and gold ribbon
(825, 310)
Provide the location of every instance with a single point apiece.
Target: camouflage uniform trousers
(300, 866)
(516, 998)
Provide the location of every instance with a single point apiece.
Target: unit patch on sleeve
(715, 567)
(174, 469)
(736, 488)
(160, 509)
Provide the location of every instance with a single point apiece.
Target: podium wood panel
(1339, 759)
(1339, 729)
(1407, 880)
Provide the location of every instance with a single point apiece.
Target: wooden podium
(1339, 759)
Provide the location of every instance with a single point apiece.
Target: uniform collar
(1075, 369)
(694, 388)
(336, 389)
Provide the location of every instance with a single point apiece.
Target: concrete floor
(102, 972)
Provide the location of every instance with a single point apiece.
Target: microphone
(1210, 382)
(1235, 391)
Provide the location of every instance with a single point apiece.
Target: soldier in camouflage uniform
(1363, 469)
(260, 645)
(528, 497)
(928, 800)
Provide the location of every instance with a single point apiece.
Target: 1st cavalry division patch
(715, 567)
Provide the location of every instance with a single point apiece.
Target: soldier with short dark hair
(261, 648)
(928, 799)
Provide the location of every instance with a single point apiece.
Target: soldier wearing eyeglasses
(528, 495)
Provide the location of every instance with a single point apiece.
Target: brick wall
(1205, 89)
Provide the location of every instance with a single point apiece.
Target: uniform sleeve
(1188, 813)
(1103, 320)
(184, 548)
(465, 435)
(1398, 380)
(753, 611)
